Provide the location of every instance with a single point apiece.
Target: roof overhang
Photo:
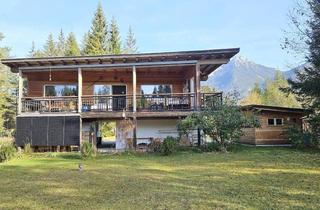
(209, 60)
(259, 108)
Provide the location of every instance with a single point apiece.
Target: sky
(159, 25)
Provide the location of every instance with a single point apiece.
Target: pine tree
(96, 42)
(34, 52)
(61, 44)
(50, 48)
(130, 45)
(114, 40)
(307, 85)
(72, 47)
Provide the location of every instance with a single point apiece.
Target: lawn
(254, 178)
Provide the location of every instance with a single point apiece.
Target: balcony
(176, 102)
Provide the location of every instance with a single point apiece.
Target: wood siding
(271, 134)
(175, 77)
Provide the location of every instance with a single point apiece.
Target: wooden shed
(274, 122)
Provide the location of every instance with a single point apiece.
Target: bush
(7, 151)
(169, 145)
(155, 145)
(210, 147)
(88, 150)
(27, 149)
(298, 138)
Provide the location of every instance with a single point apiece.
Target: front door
(119, 101)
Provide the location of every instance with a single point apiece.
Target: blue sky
(159, 25)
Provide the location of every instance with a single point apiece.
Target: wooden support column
(197, 88)
(20, 92)
(79, 90)
(134, 100)
(134, 88)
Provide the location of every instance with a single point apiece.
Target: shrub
(224, 123)
(298, 138)
(27, 149)
(155, 145)
(210, 147)
(169, 145)
(7, 151)
(88, 150)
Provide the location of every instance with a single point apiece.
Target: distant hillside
(241, 74)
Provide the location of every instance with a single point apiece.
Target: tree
(61, 44)
(114, 40)
(130, 45)
(223, 123)
(8, 92)
(306, 85)
(96, 42)
(50, 48)
(207, 89)
(72, 47)
(254, 97)
(271, 94)
(34, 52)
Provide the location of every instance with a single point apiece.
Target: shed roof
(255, 107)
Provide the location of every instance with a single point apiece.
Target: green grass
(250, 178)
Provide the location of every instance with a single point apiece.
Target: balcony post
(20, 92)
(134, 98)
(134, 88)
(79, 90)
(197, 84)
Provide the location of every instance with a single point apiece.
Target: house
(274, 122)
(61, 99)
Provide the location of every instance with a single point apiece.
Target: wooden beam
(213, 61)
(197, 84)
(79, 90)
(134, 88)
(20, 93)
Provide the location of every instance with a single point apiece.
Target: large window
(156, 89)
(102, 90)
(61, 90)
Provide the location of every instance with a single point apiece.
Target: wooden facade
(270, 131)
(182, 71)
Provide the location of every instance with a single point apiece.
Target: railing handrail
(50, 97)
(115, 95)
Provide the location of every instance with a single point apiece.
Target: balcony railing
(113, 103)
(50, 104)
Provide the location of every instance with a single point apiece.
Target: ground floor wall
(146, 130)
(260, 136)
(48, 131)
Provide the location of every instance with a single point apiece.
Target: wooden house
(64, 97)
(274, 122)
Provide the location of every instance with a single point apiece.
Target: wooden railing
(166, 102)
(103, 103)
(210, 100)
(111, 103)
(50, 104)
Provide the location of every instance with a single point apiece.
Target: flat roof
(256, 107)
(212, 59)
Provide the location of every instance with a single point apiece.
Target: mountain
(241, 74)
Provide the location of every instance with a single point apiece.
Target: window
(102, 90)
(275, 121)
(279, 121)
(271, 121)
(61, 90)
(156, 89)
